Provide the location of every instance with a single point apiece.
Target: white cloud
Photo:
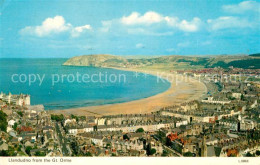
(147, 19)
(228, 22)
(155, 24)
(115, 26)
(147, 31)
(242, 21)
(245, 6)
(184, 25)
(79, 29)
(48, 26)
(139, 46)
(151, 17)
(52, 26)
(106, 25)
(191, 26)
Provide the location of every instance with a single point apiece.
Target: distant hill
(167, 62)
(101, 60)
(255, 55)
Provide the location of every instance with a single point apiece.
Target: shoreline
(179, 92)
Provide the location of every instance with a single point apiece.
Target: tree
(74, 117)
(3, 127)
(15, 126)
(188, 154)
(4, 153)
(165, 153)
(149, 150)
(38, 153)
(42, 139)
(257, 152)
(57, 118)
(82, 117)
(113, 154)
(242, 97)
(108, 145)
(153, 151)
(19, 148)
(28, 150)
(2, 115)
(88, 154)
(168, 141)
(74, 147)
(139, 130)
(125, 137)
(3, 121)
(10, 152)
(20, 113)
(249, 155)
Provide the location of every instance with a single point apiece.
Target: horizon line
(242, 54)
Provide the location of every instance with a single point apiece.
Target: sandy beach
(182, 90)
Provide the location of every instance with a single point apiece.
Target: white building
(212, 101)
(237, 95)
(21, 99)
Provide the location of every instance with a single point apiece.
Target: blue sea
(62, 87)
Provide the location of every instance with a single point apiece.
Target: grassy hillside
(255, 55)
(97, 61)
(167, 62)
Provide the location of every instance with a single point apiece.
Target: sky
(59, 28)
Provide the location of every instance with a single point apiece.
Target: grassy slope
(166, 62)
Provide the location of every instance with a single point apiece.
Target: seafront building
(129, 125)
(20, 99)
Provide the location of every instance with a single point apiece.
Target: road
(62, 140)
(173, 151)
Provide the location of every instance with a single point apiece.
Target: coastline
(182, 89)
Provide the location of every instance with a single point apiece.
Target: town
(224, 123)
